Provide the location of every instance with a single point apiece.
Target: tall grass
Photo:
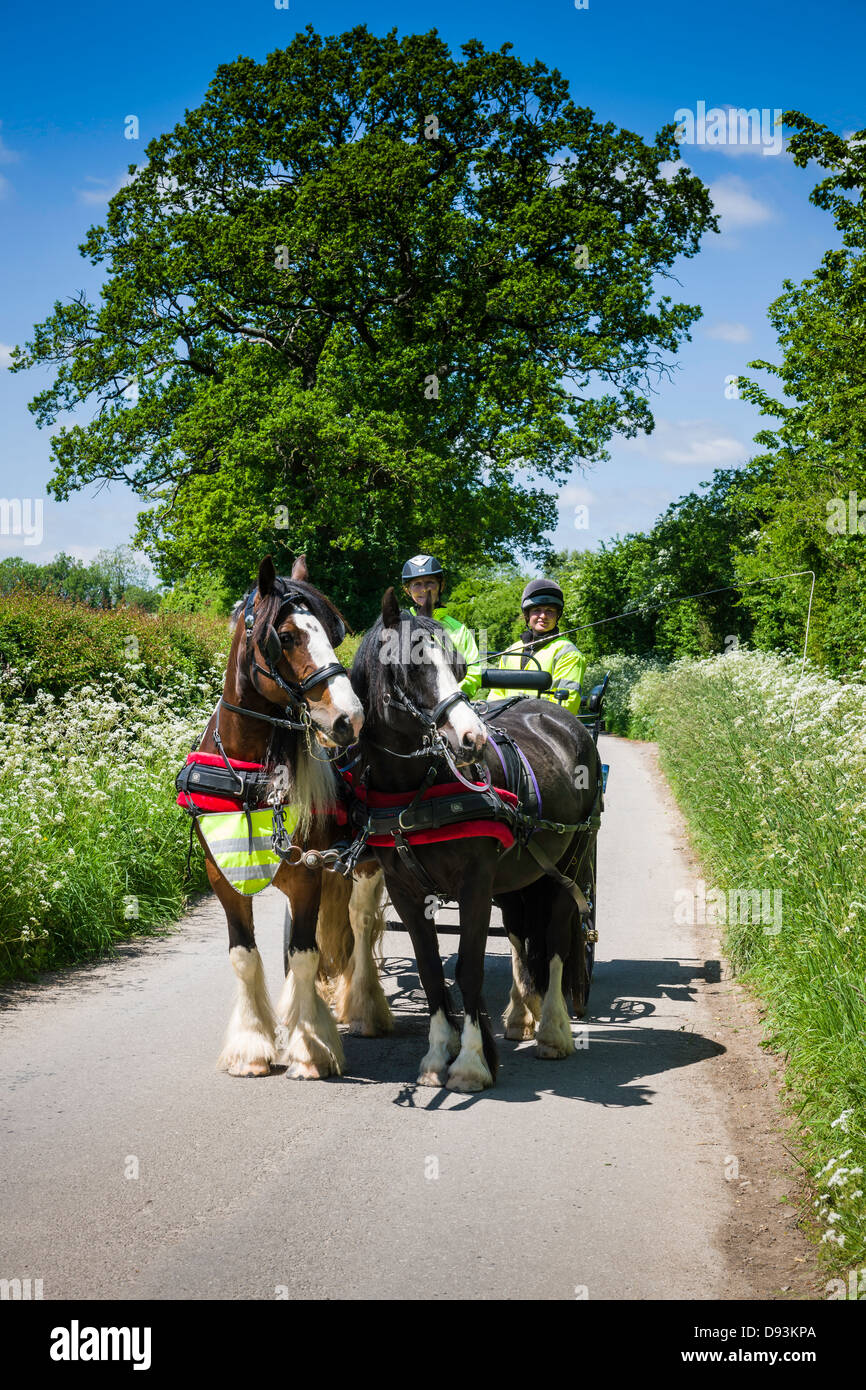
(625, 671)
(779, 811)
(92, 846)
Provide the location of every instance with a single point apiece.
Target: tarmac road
(132, 1169)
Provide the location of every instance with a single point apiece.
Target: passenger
(542, 604)
(424, 582)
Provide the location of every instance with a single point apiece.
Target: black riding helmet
(420, 566)
(542, 591)
(423, 567)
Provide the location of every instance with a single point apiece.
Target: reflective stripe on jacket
(465, 643)
(558, 656)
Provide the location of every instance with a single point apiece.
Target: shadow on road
(616, 1054)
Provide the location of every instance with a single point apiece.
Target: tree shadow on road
(617, 1050)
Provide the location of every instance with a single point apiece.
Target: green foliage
(487, 599)
(817, 451)
(689, 550)
(200, 592)
(92, 843)
(55, 645)
(350, 323)
(625, 673)
(783, 812)
(113, 578)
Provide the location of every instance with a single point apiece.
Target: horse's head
(408, 660)
(291, 633)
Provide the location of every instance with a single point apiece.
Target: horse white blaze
(462, 722)
(443, 1044)
(470, 1071)
(249, 1046)
(554, 1031)
(314, 1048)
(343, 699)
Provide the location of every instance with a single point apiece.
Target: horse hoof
(307, 1071)
(520, 1032)
(433, 1078)
(250, 1069)
(359, 1028)
(469, 1082)
(552, 1052)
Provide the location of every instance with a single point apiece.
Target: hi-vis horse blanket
(241, 843)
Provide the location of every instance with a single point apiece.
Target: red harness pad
(491, 828)
(203, 802)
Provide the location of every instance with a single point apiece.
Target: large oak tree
(373, 299)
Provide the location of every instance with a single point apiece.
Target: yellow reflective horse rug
(237, 826)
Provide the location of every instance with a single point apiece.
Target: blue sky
(70, 76)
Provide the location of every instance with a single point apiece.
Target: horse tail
(380, 926)
(539, 904)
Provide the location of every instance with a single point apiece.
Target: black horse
(406, 674)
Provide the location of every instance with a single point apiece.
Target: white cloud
(669, 168)
(572, 495)
(5, 355)
(729, 332)
(690, 443)
(106, 189)
(736, 206)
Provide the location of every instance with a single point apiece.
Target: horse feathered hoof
(309, 1071)
(241, 1068)
(520, 1032)
(469, 1079)
(553, 1051)
(433, 1078)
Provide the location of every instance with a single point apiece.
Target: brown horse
(283, 683)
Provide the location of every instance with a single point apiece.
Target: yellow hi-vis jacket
(558, 656)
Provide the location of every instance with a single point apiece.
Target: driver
(542, 603)
(423, 580)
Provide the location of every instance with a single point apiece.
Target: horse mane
(314, 784)
(369, 674)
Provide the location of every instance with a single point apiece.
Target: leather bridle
(433, 745)
(295, 601)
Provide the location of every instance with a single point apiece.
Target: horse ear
(267, 576)
(299, 569)
(390, 609)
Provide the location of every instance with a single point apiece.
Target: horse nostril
(342, 730)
